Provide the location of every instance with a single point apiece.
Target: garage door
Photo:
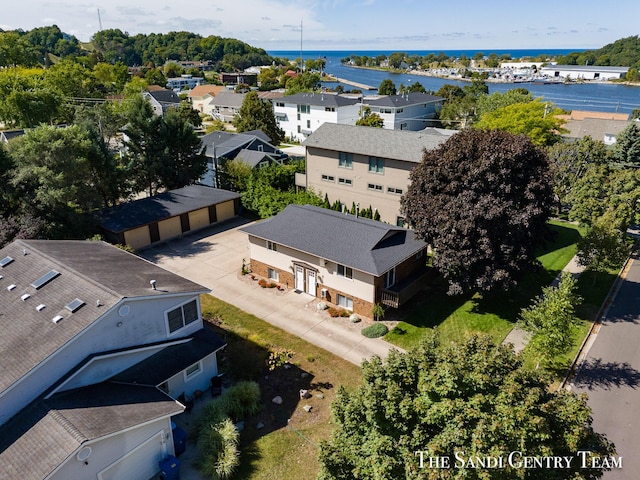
(199, 218)
(138, 237)
(169, 228)
(139, 464)
(225, 210)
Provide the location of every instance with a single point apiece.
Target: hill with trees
(622, 53)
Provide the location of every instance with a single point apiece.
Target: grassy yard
(286, 447)
(459, 316)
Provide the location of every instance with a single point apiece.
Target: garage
(145, 221)
(140, 463)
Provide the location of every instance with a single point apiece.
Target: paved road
(610, 375)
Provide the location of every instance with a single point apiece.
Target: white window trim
(190, 376)
(272, 246)
(347, 299)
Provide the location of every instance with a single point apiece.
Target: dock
(361, 86)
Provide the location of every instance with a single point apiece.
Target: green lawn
(458, 317)
(287, 446)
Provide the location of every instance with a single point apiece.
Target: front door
(299, 278)
(311, 282)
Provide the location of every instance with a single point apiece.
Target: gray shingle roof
(378, 142)
(320, 99)
(405, 100)
(228, 100)
(89, 271)
(363, 244)
(164, 96)
(159, 207)
(47, 432)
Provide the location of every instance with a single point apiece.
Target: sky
(348, 24)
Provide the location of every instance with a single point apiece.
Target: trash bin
(170, 468)
(179, 440)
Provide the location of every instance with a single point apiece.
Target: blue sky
(349, 24)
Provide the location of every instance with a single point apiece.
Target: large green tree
(387, 87)
(538, 120)
(256, 114)
(473, 399)
(626, 150)
(481, 200)
(603, 248)
(25, 101)
(15, 50)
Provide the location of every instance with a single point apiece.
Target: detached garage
(140, 223)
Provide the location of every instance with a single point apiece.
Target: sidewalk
(518, 337)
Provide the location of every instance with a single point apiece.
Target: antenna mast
(301, 61)
(99, 20)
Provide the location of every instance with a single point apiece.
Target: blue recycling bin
(179, 441)
(170, 468)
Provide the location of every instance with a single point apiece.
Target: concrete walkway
(518, 337)
(213, 258)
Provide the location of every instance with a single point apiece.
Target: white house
(97, 347)
(409, 111)
(301, 114)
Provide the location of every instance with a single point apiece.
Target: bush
(374, 331)
(262, 282)
(219, 445)
(338, 312)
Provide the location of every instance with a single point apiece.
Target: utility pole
(301, 60)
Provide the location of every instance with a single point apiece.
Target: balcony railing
(398, 294)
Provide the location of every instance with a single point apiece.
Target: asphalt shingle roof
(90, 271)
(404, 100)
(164, 205)
(366, 245)
(377, 142)
(165, 96)
(320, 99)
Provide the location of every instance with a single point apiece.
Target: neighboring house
(97, 347)
(351, 262)
(202, 94)
(252, 147)
(409, 111)
(365, 165)
(301, 114)
(140, 223)
(184, 82)
(601, 126)
(224, 106)
(247, 78)
(7, 135)
(161, 100)
(586, 72)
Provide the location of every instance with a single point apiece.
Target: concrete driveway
(213, 258)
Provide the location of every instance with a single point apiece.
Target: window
(345, 160)
(419, 254)
(403, 126)
(304, 108)
(345, 181)
(373, 186)
(329, 109)
(390, 278)
(399, 110)
(399, 221)
(328, 178)
(274, 275)
(308, 123)
(385, 110)
(193, 371)
(376, 165)
(182, 316)
(299, 127)
(343, 271)
(395, 191)
(279, 104)
(272, 246)
(345, 302)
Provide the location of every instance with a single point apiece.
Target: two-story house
(224, 105)
(301, 114)
(351, 262)
(97, 347)
(409, 111)
(365, 165)
(162, 99)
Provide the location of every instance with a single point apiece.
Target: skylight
(5, 261)
(46, 278)
(74, 305)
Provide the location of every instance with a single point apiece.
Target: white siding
(179, 384)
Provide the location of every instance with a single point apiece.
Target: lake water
(602, 97)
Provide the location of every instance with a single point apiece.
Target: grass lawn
(287, 446)
(460, 316)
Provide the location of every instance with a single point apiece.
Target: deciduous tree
(255, 114)
(481, 200)
(387, 87)
(473, 399)
(603, 248)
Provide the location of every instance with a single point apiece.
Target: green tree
(396, 59)
(24, 99)
(235, 175)
(475, 399)
(387, 87)
(535, 119)
(369, 119)
(626, 150)
(551, 318)
(256, 114)
(481, 200)
(497, 100)
(603, 248)
(15, 51)
(304, 82)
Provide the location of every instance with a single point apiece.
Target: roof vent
(11, 287)
(57, 319)
(24, 251)
(40, 307)
(153, 284)
(25, 296)
(98, 303)
(5, 261)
